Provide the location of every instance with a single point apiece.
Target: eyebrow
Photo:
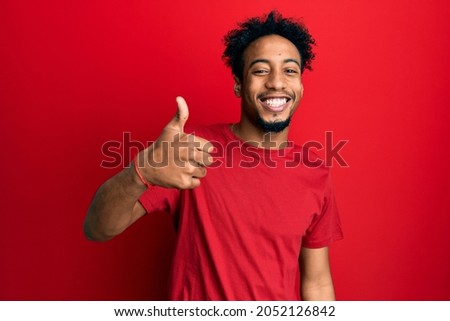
(267, 61)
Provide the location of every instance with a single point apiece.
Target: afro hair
(237, 40)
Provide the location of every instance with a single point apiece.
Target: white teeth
(276, 102)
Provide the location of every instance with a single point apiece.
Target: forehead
(272, 48)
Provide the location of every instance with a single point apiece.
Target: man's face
(271, 86)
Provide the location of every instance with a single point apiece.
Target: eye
(291, 71)
(260, 72)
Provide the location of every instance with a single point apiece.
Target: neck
(255, 136)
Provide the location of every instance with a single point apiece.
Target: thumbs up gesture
(176, 159)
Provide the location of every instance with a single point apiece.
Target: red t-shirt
(240, 232)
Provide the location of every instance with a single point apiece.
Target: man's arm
(316, 280)
(115, 205)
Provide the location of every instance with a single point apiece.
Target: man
(259, 214)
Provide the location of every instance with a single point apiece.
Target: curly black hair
(237, 40)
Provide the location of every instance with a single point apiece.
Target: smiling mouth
(275, 104)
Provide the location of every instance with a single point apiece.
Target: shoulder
(311, 167)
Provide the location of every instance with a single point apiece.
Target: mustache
(275, 93)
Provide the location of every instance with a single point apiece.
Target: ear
(237, 86)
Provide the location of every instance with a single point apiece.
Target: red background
(76, 74)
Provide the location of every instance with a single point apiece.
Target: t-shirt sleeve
(325, 227)
(159, 199)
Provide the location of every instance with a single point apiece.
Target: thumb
(182, 115)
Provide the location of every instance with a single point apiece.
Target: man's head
(267, 57)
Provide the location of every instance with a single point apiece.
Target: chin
(273, 126)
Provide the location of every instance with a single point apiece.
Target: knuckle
(207, 160)
(200, 172)
(208, 146)
(196, 183)
(190, 168)
(185, 183)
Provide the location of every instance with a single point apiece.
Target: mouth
(275, 104)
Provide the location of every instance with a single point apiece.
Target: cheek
(299, 91)
(251, 91)
(254, 84)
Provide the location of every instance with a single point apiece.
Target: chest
(261, 199)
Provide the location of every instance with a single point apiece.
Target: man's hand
(176, 159)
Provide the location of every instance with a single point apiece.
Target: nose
(276, 81)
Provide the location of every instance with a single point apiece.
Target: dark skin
(115, 206)
(271, 72)
(271, 89)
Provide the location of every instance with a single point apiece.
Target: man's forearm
(318, 293)
(113, 207)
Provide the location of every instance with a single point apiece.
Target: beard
(273, 127)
